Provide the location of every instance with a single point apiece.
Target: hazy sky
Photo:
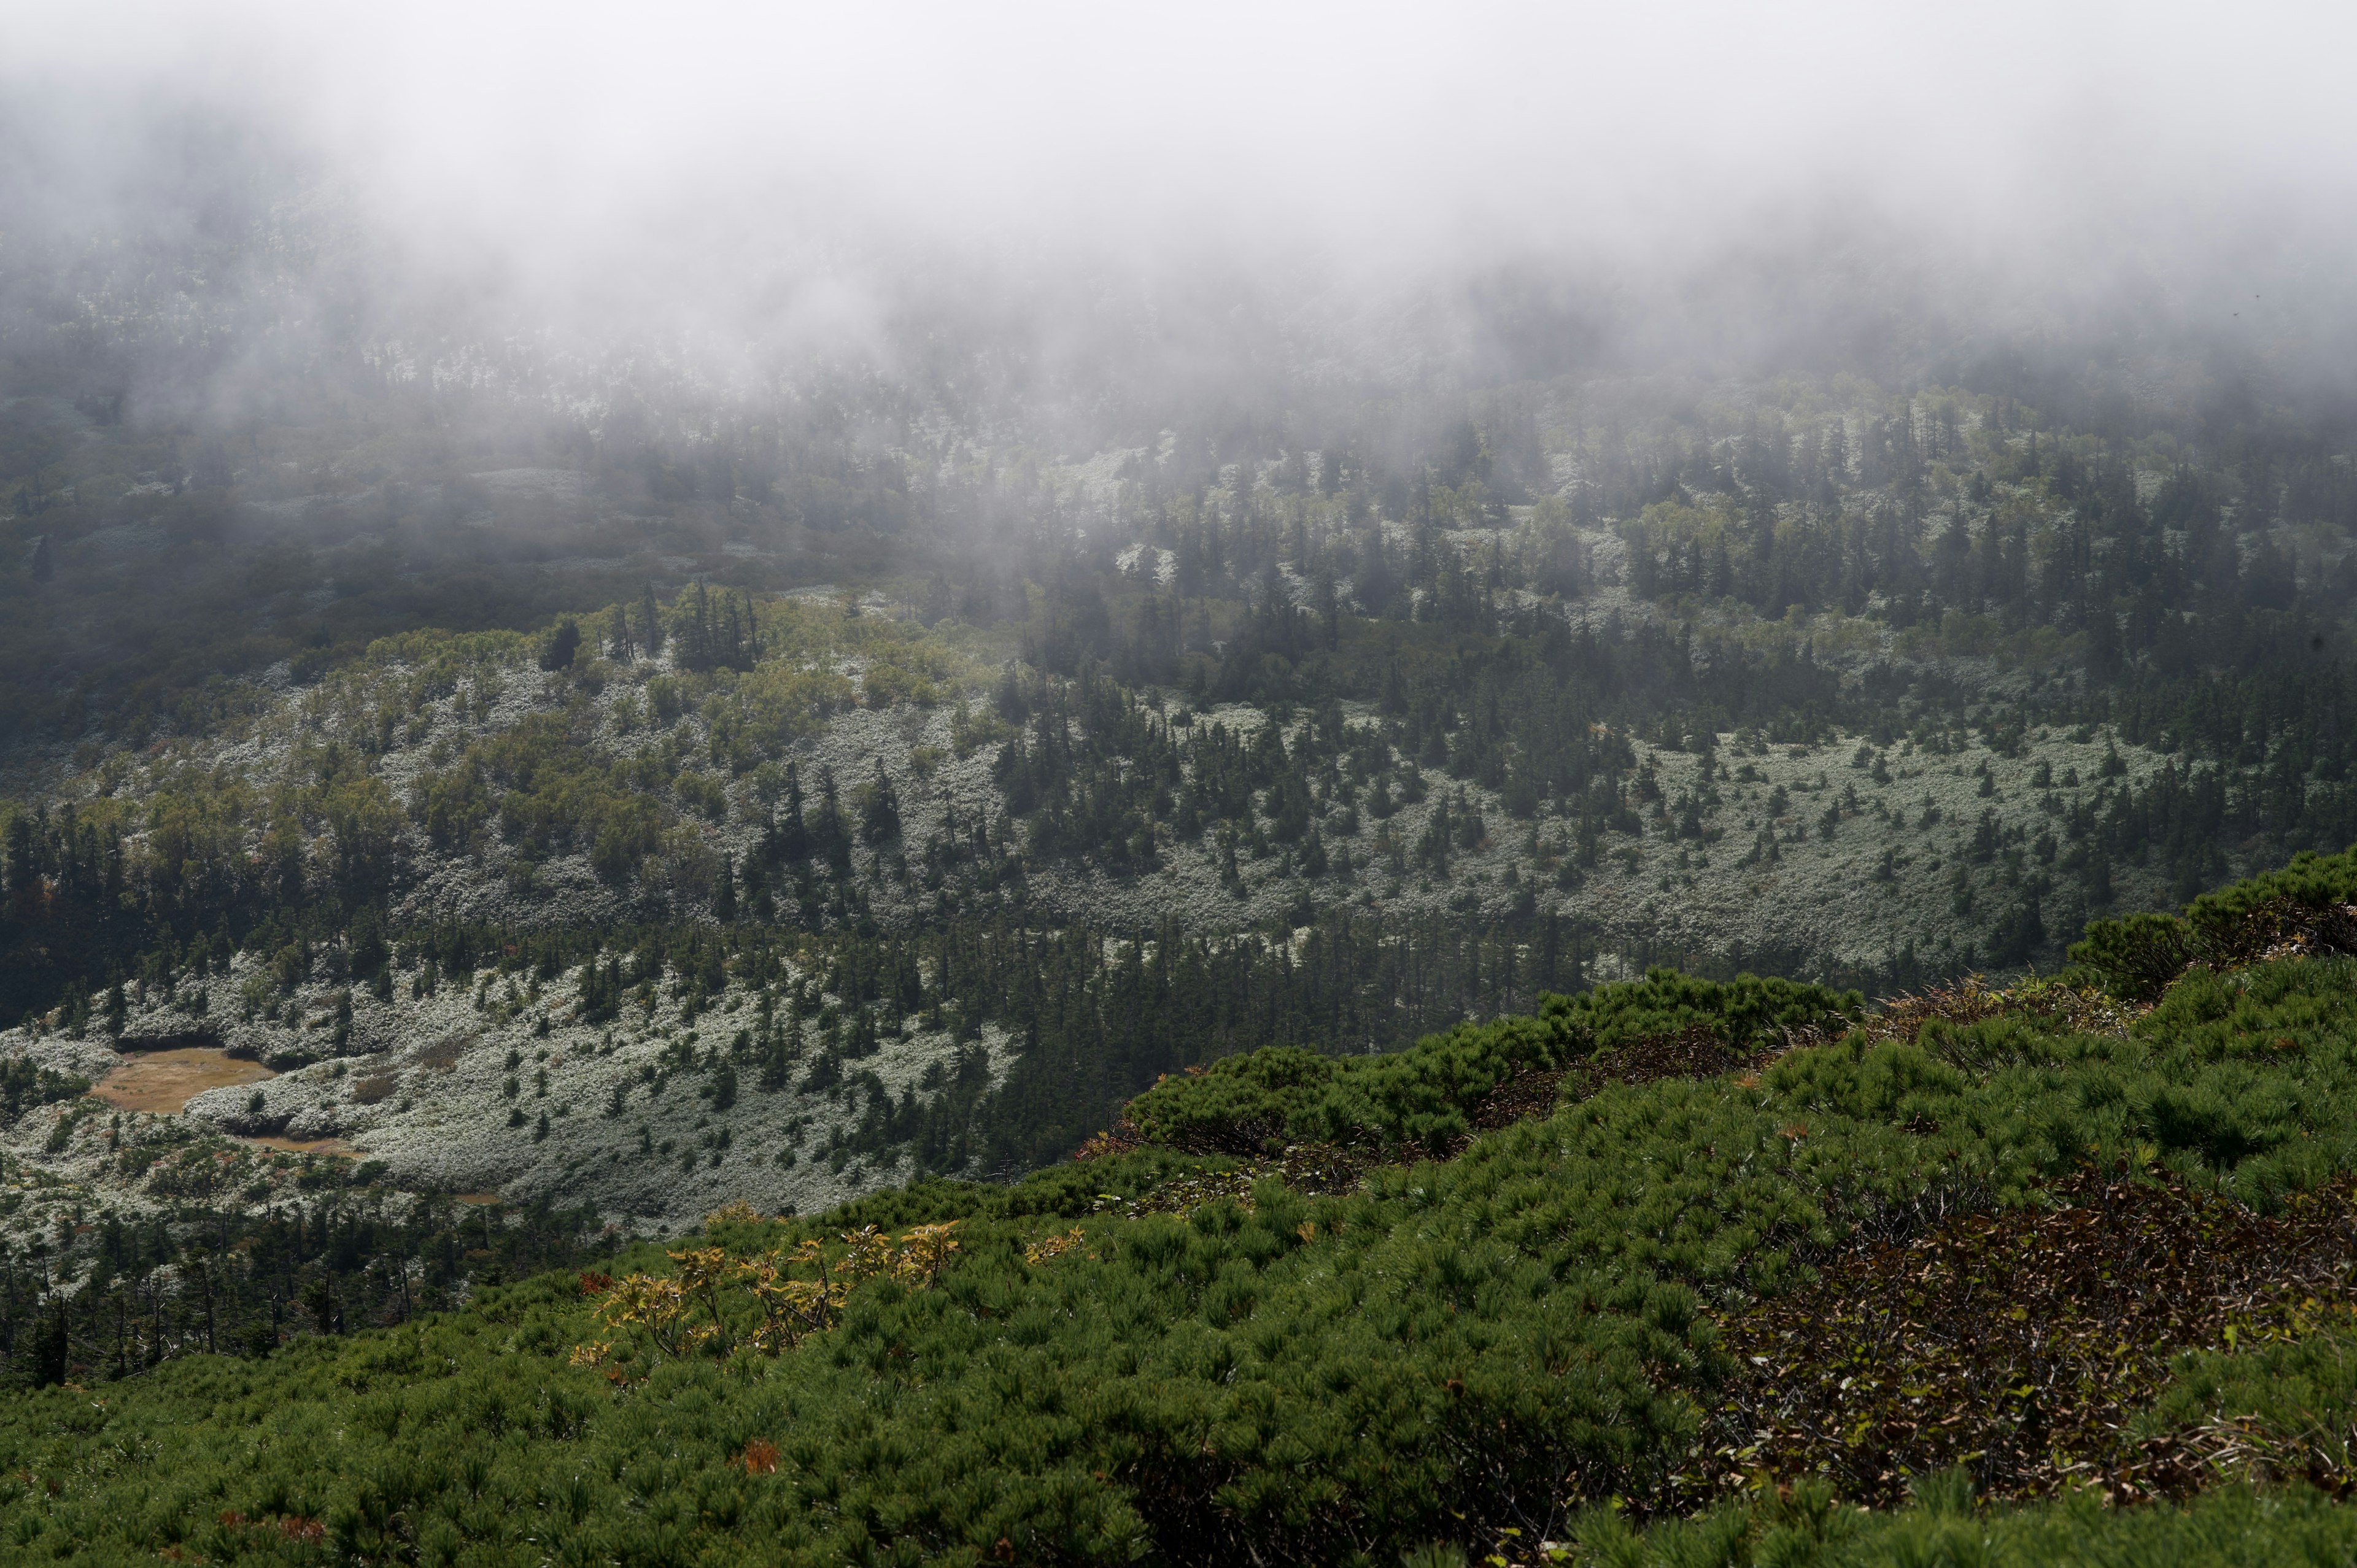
(1335, 120)
(597, 150)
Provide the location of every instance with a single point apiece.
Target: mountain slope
(1334, 1352)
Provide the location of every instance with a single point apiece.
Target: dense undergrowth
(2062, 1247)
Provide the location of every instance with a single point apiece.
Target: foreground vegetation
(1565, 1285)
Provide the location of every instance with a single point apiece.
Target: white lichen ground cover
(421, 1082)
(450, 1096)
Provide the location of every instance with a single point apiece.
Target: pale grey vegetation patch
(1837, 853)
(451, 1091)
(558, 485)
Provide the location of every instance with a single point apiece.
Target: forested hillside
(1387, 717)
(1611, 1281)
(1352, 789)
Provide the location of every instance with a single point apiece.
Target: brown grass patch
(1523, 1097)
(2018, 1344)
(1696, 1051)
(443, 1055)
(2050, 1004)
(1120, 1139)
(161, 1083)
(335, 1147)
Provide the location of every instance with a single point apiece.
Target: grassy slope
(1223, 1362)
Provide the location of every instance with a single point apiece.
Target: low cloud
(1523, 184)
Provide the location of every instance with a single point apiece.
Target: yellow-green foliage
(796, 632)
(1676, 521)
(552, 782)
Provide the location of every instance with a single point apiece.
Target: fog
(1370, 189)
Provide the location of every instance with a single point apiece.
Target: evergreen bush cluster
(1484, 1349)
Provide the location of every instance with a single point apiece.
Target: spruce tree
(651, 636)
(879, 809)
(563, 644)
(788, 835)
(830, 838)
(694, 650)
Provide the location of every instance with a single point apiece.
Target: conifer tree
(790, 840)
(879, 809)
(651, 627)
(563, 644)
(830, 837)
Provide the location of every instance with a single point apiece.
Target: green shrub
(2308, 904)
(2136, 958)
(1427, 1096)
